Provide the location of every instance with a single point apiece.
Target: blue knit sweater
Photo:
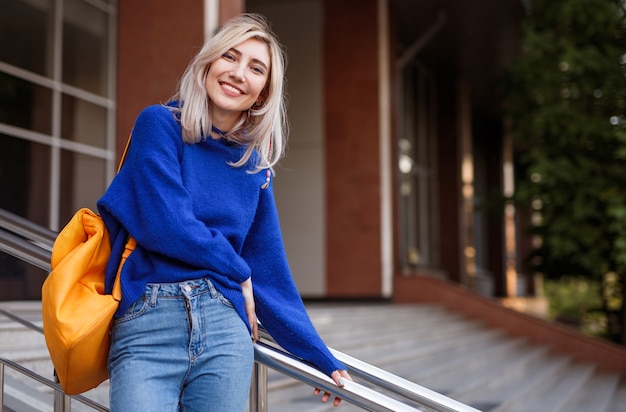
(194, 216)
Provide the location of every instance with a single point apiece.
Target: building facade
(397, 136)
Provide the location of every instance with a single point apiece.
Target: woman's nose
(238, 73)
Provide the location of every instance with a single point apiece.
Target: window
(417, 154)
(57, 106)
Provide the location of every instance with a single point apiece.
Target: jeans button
(187, 288)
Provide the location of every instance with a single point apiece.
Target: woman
(195, 192)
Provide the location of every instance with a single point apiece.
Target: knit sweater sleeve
(149, 200)
(279, 306)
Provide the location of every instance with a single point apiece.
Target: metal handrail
(352, 392)
(26, 240)
(62, 401)
(401, 386)
(21, 321)
(22, 249)
(24, 227)
(34, 246)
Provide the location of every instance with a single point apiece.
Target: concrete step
(618, 401)
(595, 395)
(453, 373)
(553, 393)
(513, 380)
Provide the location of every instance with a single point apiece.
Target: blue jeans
(180, 347)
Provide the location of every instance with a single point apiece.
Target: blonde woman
(196, 193)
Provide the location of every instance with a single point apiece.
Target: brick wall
(352, 148)
(156, 41)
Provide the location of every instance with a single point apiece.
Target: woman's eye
(258, 70)
(228, 56)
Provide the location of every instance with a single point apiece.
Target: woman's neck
(223, 122)
(217, 131)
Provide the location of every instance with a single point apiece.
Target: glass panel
(24, 178)
(82, 183)
(85, 47)
(25, 30)
(19, 280)
(83, 122)
(416, 154)
(411, 255)
(25, 105)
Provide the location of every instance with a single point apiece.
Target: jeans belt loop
(212, 288)
(153, 295)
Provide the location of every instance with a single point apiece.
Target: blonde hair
(263, 128)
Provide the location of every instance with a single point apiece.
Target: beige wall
(299, 184)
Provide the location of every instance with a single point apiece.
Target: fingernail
(341, 382)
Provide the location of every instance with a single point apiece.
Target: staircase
(422, 343)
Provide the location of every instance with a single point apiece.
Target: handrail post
(1, 386)
(62, 402)
(258, 389)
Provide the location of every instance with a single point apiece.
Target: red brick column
(156, 41)
(351, 148)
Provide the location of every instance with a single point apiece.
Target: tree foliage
(567, 105)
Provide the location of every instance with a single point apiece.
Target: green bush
(585, 304)
(574, 301)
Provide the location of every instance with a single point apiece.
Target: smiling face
(236, 80)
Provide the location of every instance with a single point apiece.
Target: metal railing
(62, 402)
(25, 240)
(374, 389)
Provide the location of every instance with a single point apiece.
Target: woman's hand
(338, 376)
(246, 288)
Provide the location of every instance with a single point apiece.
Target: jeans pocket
(138, 308)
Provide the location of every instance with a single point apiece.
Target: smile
(231, 88)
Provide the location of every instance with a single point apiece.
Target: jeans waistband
(187, 289)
